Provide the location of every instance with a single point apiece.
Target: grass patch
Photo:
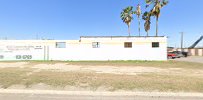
(12, 76)
(184, 82)
(142, 82)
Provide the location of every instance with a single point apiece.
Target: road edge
(96, 93)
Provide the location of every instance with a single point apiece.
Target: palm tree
(156, 10)
(138, 13)
(127, 16)
(147, 17)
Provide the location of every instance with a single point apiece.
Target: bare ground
(197, 59)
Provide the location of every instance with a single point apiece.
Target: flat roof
(118, 36)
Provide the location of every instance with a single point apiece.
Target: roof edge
(118, 36)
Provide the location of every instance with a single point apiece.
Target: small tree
(127, 16)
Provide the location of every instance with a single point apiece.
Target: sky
(70, 19)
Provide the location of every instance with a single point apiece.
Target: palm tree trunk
(147, 33)
(139, 27)
(157, 19)
(129, 30)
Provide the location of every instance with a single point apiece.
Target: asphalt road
(21, 96)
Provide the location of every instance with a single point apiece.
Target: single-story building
(191, 51)
(97, 48)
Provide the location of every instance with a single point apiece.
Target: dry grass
(147, 82)
(141, 82)
(11, 76)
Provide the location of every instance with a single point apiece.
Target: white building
(87, 48)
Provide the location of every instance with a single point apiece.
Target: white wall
(110, 49)
(200, 52)
(21, 50)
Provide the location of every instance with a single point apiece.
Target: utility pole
(182, 33)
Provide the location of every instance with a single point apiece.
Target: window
(60, 44)
(95, 45)
(128, 44)
(155, 44)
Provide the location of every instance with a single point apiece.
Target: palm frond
(148, 2)
(147, 17)
(127, 16)
(147, 25)
(164, 2)
(138, 11)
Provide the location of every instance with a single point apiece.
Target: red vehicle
(171, 55)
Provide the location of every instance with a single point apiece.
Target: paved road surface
(85, 97)
(55, 95)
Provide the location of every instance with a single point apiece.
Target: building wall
(21, 50)
(200, 52)
(111, 48)
(192, 52)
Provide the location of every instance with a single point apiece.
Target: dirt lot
(168, 76)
